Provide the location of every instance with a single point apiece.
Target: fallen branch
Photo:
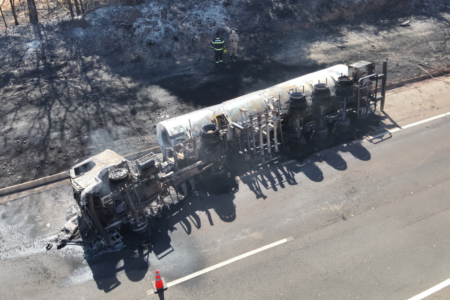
(419, 65)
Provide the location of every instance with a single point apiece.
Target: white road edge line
(227, 262)
(370, 138)
(431, 291)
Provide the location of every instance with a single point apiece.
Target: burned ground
(74, 88)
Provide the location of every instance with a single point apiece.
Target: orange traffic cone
(159, 283)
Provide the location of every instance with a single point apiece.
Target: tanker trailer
(201, 146)
(261, 125)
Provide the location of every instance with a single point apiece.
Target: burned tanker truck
(252, 130)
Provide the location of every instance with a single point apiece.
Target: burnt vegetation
(74, 85)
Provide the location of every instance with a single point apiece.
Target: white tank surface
(173, 131)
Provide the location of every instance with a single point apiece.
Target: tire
(297, 107)
(210, 130)
(321, 134)
(297, 101)
(321, 89)
(298, 142)
(210, 134)
(118, 175)
(343, 125)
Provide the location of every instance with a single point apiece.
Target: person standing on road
(218, 45)
(234, 39)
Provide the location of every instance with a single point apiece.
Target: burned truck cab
(111, 191)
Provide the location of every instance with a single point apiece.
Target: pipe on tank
(275, 129)
(252, 130)
(266, 117)
(383, 85)
(261, 143)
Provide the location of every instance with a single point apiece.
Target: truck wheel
(343, 125)
(321, 133)
(210, 134)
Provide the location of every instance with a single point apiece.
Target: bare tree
(81, 5)
(69, 2)
(3, 17)
(14, 12)
(32, 12)
(77, 8)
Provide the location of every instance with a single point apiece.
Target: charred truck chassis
(256, 128)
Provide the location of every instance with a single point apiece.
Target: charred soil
(71, 89)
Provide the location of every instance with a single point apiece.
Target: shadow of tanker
(306, 160)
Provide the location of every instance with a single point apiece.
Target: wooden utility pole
(32, 12)
(14, 12)
(3, 17)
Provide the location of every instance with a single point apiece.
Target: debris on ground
(406, 23)
(68, 232)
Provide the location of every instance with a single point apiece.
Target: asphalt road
(375, 227)
(367, 221)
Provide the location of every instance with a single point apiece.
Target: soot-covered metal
(252, 130)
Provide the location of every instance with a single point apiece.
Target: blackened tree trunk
(14, 12)
(69, 2)
(3, 17)
(81, 6)
(77, 8)
(32, 12)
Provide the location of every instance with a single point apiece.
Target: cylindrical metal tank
(175, 130)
